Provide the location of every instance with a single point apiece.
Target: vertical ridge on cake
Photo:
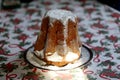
(50, 41)
(73, 40)
(58, 39)
(40, 42)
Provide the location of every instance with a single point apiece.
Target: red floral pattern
(116, 15)
(99, 29)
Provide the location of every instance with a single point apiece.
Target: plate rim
(81, 66)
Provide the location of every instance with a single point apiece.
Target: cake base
(86, 56)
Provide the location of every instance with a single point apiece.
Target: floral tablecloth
(99, 29)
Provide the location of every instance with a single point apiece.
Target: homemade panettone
(58, 43)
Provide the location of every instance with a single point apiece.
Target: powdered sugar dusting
(62, 15)
(55, 57)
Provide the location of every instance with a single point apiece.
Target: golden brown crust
(59, 37)
(40, 42)
(72, 40)
(50, 41)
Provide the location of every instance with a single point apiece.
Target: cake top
(62, 15)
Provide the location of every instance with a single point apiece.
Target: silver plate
(86, 56)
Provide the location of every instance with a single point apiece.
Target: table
(99, 29)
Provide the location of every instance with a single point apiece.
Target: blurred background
(10, 4)
(113, 3)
